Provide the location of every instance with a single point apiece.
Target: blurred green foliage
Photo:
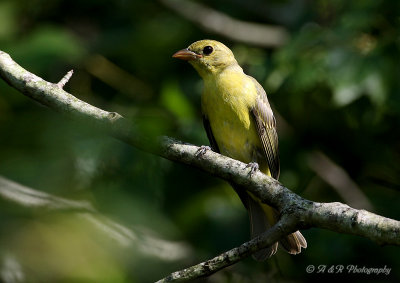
(335, 86)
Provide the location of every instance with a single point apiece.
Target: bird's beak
(186, 54)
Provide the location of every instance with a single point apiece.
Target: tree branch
(122, 235)
(296, 212)
(208, 267)
(28, 197)
(219, 23)
(338, 178)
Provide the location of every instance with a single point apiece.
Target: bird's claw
(202, 150)
(253, 167)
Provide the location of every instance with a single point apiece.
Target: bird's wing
(266, 129)
(210, 136)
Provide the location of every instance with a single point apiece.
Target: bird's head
(207, 56)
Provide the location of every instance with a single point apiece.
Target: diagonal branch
(28, 197)
(208, 267)
(296, 212)
(338, 178)
(216, 22)
(122, 235)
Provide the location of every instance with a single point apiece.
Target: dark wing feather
(210, 136)
(266, 129)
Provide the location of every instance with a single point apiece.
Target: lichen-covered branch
(333, 216)
(49, 94)
(208, 267)
(296, 212)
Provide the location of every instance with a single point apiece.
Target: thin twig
(65, 79)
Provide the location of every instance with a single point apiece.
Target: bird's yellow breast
(226, 101)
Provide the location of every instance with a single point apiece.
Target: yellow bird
(240, 124)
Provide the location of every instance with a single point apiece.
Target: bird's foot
(202, 150)
(253, 167)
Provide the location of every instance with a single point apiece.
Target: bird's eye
(207, 50)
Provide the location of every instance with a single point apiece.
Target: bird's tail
(260, 221)
(262, 217)
(293, 243)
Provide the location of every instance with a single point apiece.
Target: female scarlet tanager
(240, 124)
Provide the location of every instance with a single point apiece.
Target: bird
(240, 124)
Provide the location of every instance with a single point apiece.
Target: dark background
(334, 87)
